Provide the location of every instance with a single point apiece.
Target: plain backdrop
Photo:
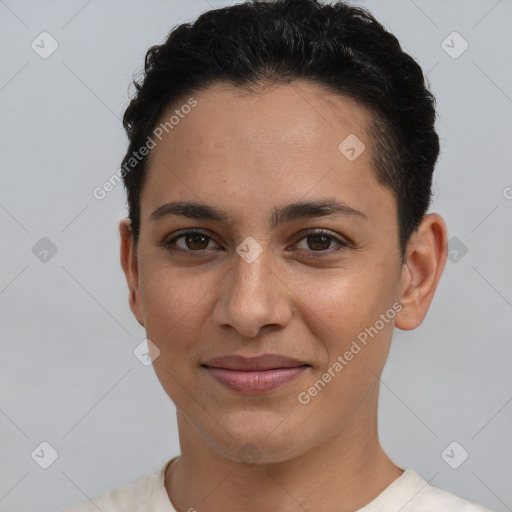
(68, 373)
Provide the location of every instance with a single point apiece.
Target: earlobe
(421, 271)
(130, 268)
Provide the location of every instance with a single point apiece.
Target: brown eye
(319, 242)
(195, 241)
(189, 241)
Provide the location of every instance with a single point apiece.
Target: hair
(340, 47)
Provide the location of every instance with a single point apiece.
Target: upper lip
(263, 362)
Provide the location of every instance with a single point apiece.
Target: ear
(424, 263)
(130, 268)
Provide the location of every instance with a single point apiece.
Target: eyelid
(321, 231)
(343, 243)
(167, 241)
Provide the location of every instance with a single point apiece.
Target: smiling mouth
(255, 375)
(255, 381)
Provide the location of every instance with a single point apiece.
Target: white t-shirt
(408, 493)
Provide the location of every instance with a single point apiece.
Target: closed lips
(254, 375)
(261, 363)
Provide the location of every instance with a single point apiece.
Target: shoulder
(125, 499)
(415, 494)
(438, 499)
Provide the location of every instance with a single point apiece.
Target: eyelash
(167, 244)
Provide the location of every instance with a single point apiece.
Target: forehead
(298, 113)
(283, 140)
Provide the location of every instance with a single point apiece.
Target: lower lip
(253, 382)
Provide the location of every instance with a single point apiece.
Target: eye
(189, 241)
(316, 243)
(319, 241)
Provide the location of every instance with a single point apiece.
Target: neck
(343, 473)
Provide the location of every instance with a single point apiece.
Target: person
(278, 176)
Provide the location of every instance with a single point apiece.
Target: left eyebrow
(283, 215)
(312, 209)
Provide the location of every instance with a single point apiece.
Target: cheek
(343, 300)
(342, 318)
(175, 304)
(340, 307)
(174, 307)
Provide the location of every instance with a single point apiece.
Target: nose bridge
(252, 265)
(251, 281)
(252, 297)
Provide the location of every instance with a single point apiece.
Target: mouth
(255, 375)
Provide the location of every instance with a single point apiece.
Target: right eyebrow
(190, 210)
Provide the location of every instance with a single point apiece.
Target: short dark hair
(340, 47)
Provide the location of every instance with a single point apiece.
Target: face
(258, 276)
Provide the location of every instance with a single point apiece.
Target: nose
(253, 296)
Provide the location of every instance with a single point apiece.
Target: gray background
(68, 375)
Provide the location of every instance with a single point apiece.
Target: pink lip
(252, 375)
(256, 381)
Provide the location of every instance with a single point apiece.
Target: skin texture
(247, 154)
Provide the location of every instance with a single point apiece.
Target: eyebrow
(282, 215)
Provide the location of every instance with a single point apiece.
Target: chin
(254, 440)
